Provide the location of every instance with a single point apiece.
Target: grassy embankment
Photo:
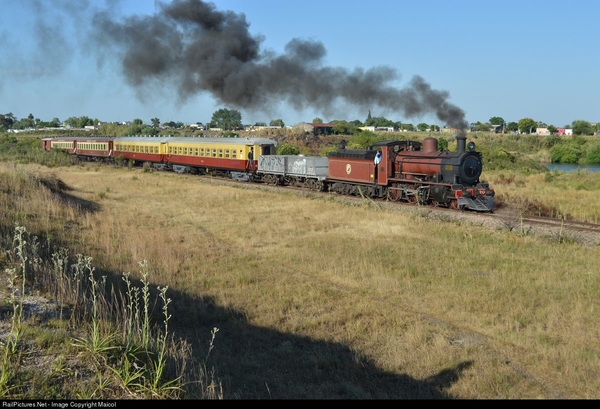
(312, 298)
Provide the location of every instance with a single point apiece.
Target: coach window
(185, 150)
(226, 153)
(214, 153)
(179, 150)
(201, 151)
(220, 153)
(170, 150)
(233, 152)
(195, 151)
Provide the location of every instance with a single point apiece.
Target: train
(408, 171)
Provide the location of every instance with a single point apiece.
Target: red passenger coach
(88, 148)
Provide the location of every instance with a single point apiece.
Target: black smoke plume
(196, 48)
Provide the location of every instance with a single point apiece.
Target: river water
(571, 168)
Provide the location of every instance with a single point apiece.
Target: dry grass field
(316, 298)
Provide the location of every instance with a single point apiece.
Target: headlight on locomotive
(470, 169)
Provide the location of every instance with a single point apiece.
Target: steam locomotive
(409, 171)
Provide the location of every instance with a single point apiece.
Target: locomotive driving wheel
(394, 193)
(414, 199)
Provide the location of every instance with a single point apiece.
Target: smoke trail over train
(190, 46)
(197, 48)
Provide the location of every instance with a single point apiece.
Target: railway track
(506, 218)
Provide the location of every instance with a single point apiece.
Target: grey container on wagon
(313, 167)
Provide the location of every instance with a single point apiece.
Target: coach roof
(181, 139)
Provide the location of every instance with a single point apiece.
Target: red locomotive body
(357, 170)
(414, 172)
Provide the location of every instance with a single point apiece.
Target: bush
(592, 155)
(363, 140)
(287, 149)
(565, 152)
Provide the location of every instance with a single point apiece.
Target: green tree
(552, 129)
(135, 129)
(379, 121)
(71, 121)
(527, 125)
(155, 122)
(7, 120)
(260, 124)
(343, 128)
(112, 129)
(422, 127)
(483, 127)
(227, 119)
(138, 121)
(27, 122)
(581, 127)
(277, 122)
(512, 127)
(80, 122)
(496, 120)
(317, 120)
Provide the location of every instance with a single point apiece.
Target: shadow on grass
(59, 188)
(261, 363)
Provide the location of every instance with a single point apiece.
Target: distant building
(377, 128)
(316, 129)
(542, 131)
(497, 128)
(564, 131)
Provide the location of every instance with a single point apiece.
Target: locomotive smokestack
(460, 143)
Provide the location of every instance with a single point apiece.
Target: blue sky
(514, 59)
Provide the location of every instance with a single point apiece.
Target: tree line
(231, 120)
